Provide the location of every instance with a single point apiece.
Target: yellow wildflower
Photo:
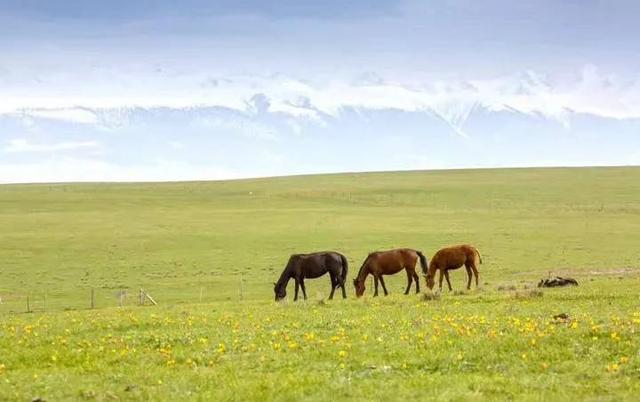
(221, 348)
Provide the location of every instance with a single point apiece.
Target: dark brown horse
(301, 266)
(451, 258)
(388, 263)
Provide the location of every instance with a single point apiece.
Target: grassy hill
(191, 242)
(213, 337)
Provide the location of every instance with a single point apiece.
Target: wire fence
(52, 299)
(49, 299)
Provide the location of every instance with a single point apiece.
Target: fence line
(90, 298)
(240, 288)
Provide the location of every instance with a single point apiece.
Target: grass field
(199, 248)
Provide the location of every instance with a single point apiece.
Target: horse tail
(345, 269)
(478, 253)
(423, 261)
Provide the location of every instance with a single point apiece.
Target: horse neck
(286, 274)
(284, 278)
(431, 271)
(364, 271)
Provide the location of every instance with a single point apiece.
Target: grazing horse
(314, 265)
(451, 258)
(388, 263)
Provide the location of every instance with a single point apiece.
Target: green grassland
(208, 253)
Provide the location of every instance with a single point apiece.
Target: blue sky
(165, 90)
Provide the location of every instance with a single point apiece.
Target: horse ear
(274, 284)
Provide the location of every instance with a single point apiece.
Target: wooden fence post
(120, 299)
(144, 294)
(28, 306)
(241, 288)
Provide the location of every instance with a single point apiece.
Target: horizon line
(249, 178)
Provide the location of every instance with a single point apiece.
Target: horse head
(430, 280)
(280, 291)
(359, 285)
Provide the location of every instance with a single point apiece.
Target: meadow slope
(209, 252)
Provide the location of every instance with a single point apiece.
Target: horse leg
(417, 279)
(333, 285)
(440, 280)
(446, 276)
(383, 286)
(295, 298)
(344, 292)
(469, 275)
(409, 280)
(375, 281)
(304, 291)
(475, 272)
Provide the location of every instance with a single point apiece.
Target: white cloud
(76, 115)
(91, 170)
(634, 159)
(176, 144)
(20, 145)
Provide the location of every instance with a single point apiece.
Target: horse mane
(284, 276)
(364, 264)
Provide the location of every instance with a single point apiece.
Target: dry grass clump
(528, 294)
(430, 296)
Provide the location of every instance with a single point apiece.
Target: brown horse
(388, 263)
(451, 258)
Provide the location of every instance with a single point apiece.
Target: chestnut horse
(388, 263)
(314, 265)
(451, 258)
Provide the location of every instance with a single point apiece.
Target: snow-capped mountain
(279, 125)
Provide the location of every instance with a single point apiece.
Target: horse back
(317, 264)
(409, 257)
(391, 261)
(454, 257)
(470, 253)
